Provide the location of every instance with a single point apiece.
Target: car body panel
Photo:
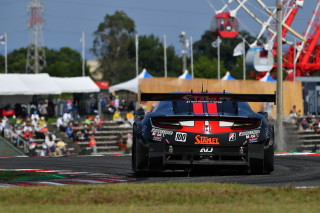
(190, 129)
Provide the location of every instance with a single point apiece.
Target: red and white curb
(76, 179)
(295, 153)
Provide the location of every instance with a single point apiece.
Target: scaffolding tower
(36, 59)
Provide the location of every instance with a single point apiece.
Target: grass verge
(160, 197)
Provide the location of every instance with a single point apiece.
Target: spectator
(60, 124)
(129, 141)
(50, 142)
(42, 121)
(67, 118)
(116, 102)
(304, 124)
(43, 110)
(293, 112)
(93, 144)
(130, 117)
(27, 135)
(98, 123)
(61, 148)
(35, 116)
(69, 131)
(32, 148)
(38, 132)
(121, 143)
(117, 116)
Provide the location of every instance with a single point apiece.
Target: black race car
(187, 130)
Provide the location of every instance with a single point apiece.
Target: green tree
(151, 56)
(207, 68)
(232, 64)
(65, 62)
(112, 39)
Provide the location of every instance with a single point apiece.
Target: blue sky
(66, 19)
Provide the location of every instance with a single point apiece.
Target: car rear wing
(211, 97)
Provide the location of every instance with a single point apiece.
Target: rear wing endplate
(208, 97)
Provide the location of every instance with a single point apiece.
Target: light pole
(279, 124)
(184, 51)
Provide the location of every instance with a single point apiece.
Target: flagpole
(218, 49)
(191, 55)
(137, 56)
(165, 55)
(244, 59)
(5, 54)
(83, 53)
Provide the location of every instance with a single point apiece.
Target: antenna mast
(36, 55)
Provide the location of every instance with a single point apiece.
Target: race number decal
(180, 136)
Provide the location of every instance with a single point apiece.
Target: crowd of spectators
(309, 122)
(30, 131)
(24, 132)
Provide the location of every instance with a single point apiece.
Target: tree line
(115, 50)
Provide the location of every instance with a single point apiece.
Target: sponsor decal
(205, 140)
(206, 129)
(253, 140)
(232, 137)
(249, 133)
(252, 136)
(157, 138)
(161, 132)
(181, 136)
(206, 149)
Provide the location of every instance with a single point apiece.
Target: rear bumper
(188, 156)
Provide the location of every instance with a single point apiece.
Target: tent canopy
(27, 84)
(267, 77)
(185, 75)
(76, 85)
(42, 84)
(227, 76)
(131, 85)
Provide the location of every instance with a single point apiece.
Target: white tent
(267, 77)
(185, 75)
(40, 84)
(227, 76)
(76, 85)
(131, 85)
(27, 84)
(11, 84)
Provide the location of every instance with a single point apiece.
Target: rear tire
(138, 158)
(256, 166)
(269, 153)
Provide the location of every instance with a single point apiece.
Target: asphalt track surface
(298, 171)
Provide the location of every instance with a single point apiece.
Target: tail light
(240, 124)
(172, 123)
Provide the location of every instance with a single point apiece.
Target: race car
(189, 130)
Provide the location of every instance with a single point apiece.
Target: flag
(2, 39)
(238, 50)
(216, 43)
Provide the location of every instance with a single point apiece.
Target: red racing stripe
(212, 108)
(197, 108)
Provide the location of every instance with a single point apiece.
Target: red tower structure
(36, 59)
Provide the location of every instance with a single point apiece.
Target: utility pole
(279, 124)
(191, 56)
(6, 53)
(184, 51)
(36, 55)
(165, 55)
(137, 55)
